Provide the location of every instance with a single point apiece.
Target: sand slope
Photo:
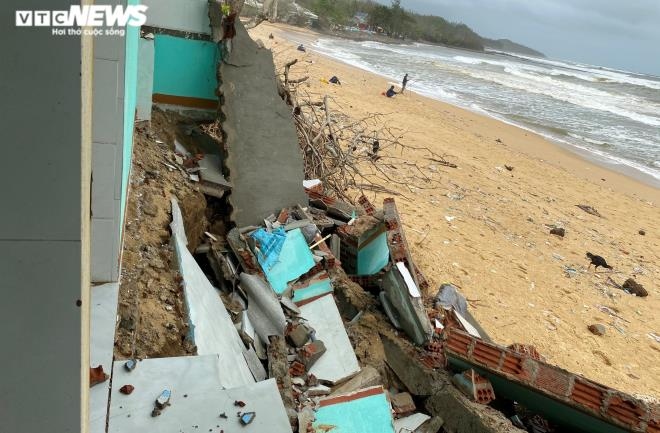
(497, 247)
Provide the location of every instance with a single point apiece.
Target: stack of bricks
(349, 248)
(297, 369)
(434, 357)
(245, 256)
(366, 205)
(331, 261)
(314, 194)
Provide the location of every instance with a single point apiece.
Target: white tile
(197, 399)
(339, 361)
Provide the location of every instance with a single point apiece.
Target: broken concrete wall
(562, 397)
(265, 164)
(180, 63)
(441, 398)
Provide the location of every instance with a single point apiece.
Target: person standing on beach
(403, 84)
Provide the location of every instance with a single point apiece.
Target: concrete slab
(264, 159)
(366, 378)
(409, 310)
(102, 338)
(410, 423)
(211, 328)
(197, 399)
(339, 361)
(210, 170)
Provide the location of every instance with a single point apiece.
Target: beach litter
(634, 288)
(589, 209)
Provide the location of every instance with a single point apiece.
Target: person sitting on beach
(301, 48)
(390, 92)
(334, 80)
(405, 81)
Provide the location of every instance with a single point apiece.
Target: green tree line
(395, 21)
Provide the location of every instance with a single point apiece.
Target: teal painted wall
(130, 101)
(369, 414)
(185, 67)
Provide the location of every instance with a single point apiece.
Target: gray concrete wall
(264, 160)
(145, 78)
(184, 15)
(40, 225)
(107, 162)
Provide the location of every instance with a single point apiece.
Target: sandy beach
(485, 227)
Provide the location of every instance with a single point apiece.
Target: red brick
(653, 426)
(512, 364)
(297, 369)
(283, 216)
(587, 394)
(487, 355)
(366, 205)
(553, 380)
(625, 411)
(458, 343)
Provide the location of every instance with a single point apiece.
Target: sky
(614, 33)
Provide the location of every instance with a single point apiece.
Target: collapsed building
(298, 311)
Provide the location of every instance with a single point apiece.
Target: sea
(609, 115)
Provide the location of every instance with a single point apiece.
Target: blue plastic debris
(130, 365)
(163, 399)
(247, 417)
(294, 260)
(270, 245)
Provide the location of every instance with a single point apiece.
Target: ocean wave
(597, 73)
(473, 81)
(589, 140)
(603, 155)
(576, 94)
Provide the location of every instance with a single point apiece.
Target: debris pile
(285, 311)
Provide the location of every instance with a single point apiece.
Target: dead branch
(352, 155)
(298, 80)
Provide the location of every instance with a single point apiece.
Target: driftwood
(589, 209)
(351, 155)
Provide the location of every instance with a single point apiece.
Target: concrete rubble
(287, 307)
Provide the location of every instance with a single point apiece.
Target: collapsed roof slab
(211, 328)
(264, 160)
(197, 399)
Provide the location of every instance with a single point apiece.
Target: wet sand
(485, 229)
